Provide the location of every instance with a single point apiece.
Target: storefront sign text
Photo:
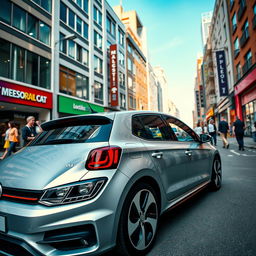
(222, 73)
(113, 75)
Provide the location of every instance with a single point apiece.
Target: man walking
(223, 129)
(239, 132)
(212, 131)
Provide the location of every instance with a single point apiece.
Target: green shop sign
(77, 107)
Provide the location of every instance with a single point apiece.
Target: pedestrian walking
(239, 132)
(213, 132)
(230, 130)
(6, 141)
(205, 129)
(13, 138)
(29, 131)
(223, 130)
(254, 132)
(198, 129)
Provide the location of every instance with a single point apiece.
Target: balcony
(241, 9)
(244, 37)
(247, 65)
(236, 52)
(254, 22)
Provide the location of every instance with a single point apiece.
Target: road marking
(234, 152)
(230, 155)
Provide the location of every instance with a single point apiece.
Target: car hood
(41, 167)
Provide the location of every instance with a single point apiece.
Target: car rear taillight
(103, 158)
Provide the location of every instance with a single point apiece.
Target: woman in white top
(198, 129)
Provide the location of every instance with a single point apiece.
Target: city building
(206, 18)
(55, 59)
(223, 71)
(153, 89)
(136, 45)
(242, 20)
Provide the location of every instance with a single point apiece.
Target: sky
(174, 41)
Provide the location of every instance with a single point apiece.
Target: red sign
(18, 94)
(113, 75)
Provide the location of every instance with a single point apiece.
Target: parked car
(90, 183)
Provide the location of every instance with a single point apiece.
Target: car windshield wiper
(61, 141)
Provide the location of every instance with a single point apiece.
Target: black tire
(216, 179)
(138, 222)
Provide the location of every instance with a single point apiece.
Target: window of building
(121, 79)
(45, 4)
(98, 91)
(97, 40)
(82, 86)
(32, 68)
(71, 19)
(79, 3)
(71, 49)
(63, 12)
(248, 58)
(67, 81)
(111, 27)
(32, 29)
(121, 37)
(122, 100)
(97, 15)
(130, 65)
(238, 71)
(130, 82)
(19, 18)
(45, 73)
(79, 53)
(98, 64)
(5, 58)
(18, 63)
(236, 47)
(44, 33)
(78, 25)
(5, 11)
(85, 56)
(245, 27)
(234, 23)
(130, 50)
(85, 32)
(63, 44)
(254, 9)
(85, 5)
(121, 58)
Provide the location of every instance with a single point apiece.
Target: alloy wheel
(142, 219)
(217, 173)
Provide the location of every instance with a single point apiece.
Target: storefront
(245, 98)
(70, 106)
(17, 102)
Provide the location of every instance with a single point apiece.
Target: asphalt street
(215, 223)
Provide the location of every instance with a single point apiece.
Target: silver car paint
(37, 168)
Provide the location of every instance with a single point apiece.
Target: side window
(150, 127)
(182, 131)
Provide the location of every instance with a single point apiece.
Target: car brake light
(103, 158)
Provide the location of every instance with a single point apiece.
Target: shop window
(19, 18)
(78, 25)
(85, 32)
(98, 91)
(44, 33)
(45, 73)
(63, 12)
(18, 63)
(63, 80)
(5, 11)
(32, 29)
(32, 68)
(71, 19)
(72, 82)
(4, 58)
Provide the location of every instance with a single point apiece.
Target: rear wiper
(61, 141)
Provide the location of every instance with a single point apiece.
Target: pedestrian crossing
(247, 153)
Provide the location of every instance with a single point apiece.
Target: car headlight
(71, 193)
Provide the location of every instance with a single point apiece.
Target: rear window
(77, 133)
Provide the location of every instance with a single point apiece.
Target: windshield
(74, 134)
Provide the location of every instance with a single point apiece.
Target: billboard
(222, 73)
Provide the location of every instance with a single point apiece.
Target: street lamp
(67, 37)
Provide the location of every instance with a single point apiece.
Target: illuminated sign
(222, 73)
(18, 94)
(113, 76)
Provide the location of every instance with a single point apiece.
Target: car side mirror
(205, 138)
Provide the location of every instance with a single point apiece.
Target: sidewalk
(248, 142)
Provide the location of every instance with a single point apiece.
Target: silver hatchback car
(90, 183)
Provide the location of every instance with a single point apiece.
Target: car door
(169, 161)
(197, 156)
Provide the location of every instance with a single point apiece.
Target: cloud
(174, 42)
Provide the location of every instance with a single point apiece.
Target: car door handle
(157, 155)
(188, 153)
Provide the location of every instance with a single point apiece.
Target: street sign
(113, 75)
